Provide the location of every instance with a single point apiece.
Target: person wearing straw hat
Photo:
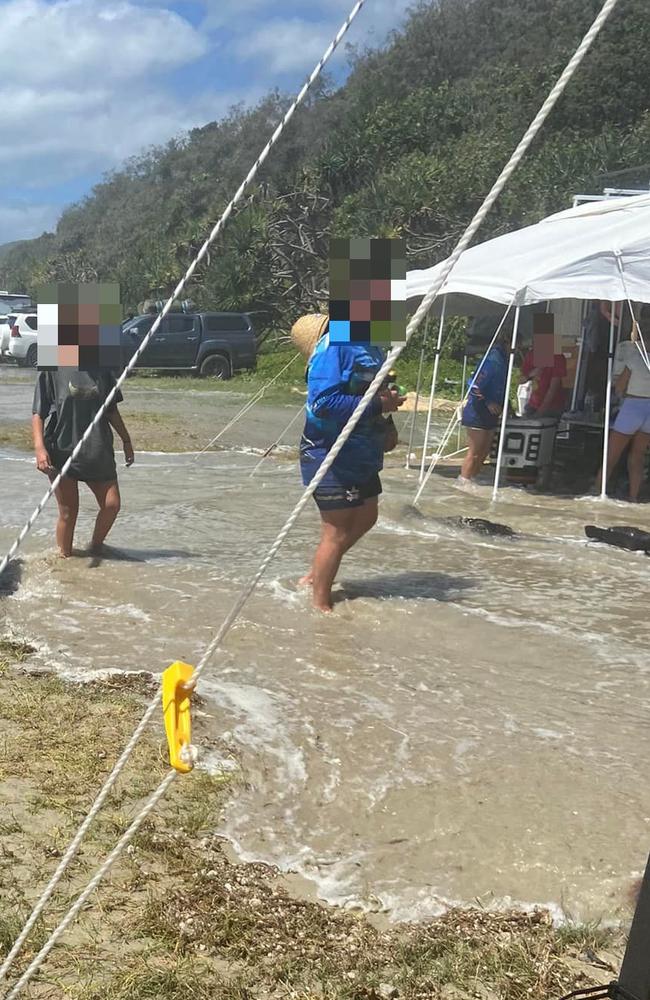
(347, 498)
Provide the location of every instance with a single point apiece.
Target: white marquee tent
(599, 250)
(574, 254)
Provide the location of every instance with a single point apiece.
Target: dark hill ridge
(408, 146)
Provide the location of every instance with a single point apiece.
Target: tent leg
(434, 379)
(608, 405)
(504, 415)
(462, 395)
(417, 395)
(581, 348)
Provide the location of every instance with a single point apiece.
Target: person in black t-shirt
(66, 401)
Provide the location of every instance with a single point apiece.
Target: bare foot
(307, 580)
(324, 607)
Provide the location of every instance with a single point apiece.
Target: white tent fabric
(571, 255)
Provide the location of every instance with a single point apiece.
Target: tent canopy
(571, 255)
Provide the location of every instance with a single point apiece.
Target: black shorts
(346, 497)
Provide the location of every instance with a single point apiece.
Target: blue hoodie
(337, 377)
(489, 387)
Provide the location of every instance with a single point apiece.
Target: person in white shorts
(632, 425)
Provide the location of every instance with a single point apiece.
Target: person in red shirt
(545, 370)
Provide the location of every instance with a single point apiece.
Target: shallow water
(470, 723)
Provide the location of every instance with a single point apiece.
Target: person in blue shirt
(337, 377)
(483, 408)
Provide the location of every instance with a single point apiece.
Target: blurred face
(543, 350)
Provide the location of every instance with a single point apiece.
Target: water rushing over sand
(471, 723)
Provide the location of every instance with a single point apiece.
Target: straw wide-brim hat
(307, 331)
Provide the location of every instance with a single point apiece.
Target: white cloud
(93, 88)
(284, 45)
(306, 36)
(93, 81)
(74, 41)
(69, 134)
(280, 48)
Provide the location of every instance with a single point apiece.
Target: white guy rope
(110, 781)
(434, 379)
(364, 402)
(608, 401)
(33, 967)
(506, 402)
(275, 444)
(247, 406)
(462, 391)
(417, 395)
(81, 832)
(455, 419)
(643, 351)
(188, 274)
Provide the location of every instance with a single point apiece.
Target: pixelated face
(367, 291)
(79, 326)
(544, 345)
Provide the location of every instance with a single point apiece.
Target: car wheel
(216, 366)
(31, 357)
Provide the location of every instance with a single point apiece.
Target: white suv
(5, 328)
(22, 340)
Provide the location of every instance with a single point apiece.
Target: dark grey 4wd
(216, 344)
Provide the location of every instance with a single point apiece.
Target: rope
(529, 137)
(364, 402)
(153, 706)
(79, 836)
(247, 406)
(636, 329)
(506, 401)
(456, 417)
(128, 835)
(275, 444)
(188, 274)
(462, 390)
(417, 396)
(434, 379)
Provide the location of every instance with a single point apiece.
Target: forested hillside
(407, 147)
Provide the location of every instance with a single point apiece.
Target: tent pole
(462, 394)
(506, 398)
(581, 347)
(417, 393)
(434, 379)
(608, 403)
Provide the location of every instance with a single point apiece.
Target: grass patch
(179, 981)
(271, 363)
(16, 435)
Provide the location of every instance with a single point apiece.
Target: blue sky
(96, 81)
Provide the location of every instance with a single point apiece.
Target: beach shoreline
(180, 913)
(187, 418)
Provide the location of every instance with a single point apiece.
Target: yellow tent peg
(176, 689)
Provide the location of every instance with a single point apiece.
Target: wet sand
(469, 724)
(180, 915)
